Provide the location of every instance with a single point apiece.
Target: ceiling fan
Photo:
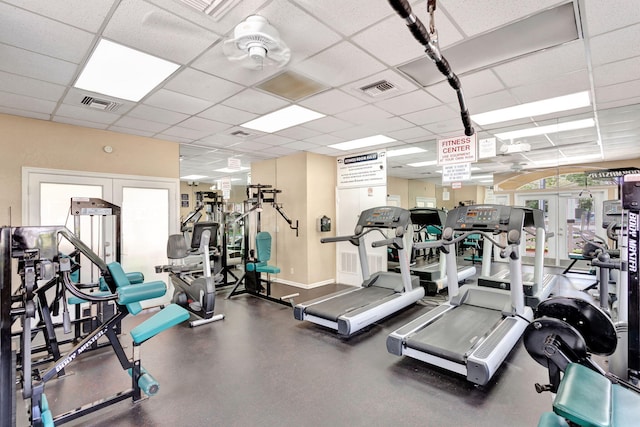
(256, 44)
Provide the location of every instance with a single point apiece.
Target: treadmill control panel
(485, 218)
(384, 217)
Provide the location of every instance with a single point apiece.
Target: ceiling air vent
(240, 133)
(378, 88)
(214, 8)
(100, 104)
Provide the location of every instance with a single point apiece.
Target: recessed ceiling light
(549, 129)
(122, 72)
(533, 109)
(405, 151)
(420, 164)
(193, 177)
(229, 170)
(566, 160)
(362, 142)
(282, 119)
(481, 176)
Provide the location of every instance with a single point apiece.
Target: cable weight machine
(257, 196)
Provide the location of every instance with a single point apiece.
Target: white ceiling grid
(343, 44)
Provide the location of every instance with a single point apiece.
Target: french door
(149, 213)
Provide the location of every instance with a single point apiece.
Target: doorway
(570, 216)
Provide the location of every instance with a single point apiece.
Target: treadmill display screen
(386, 217)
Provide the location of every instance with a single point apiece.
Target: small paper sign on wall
(234, 164)
(486, 148)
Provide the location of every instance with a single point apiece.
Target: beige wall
(43, 144)
(470, 192)
(308, 183)
(399, 187)
(420, 189)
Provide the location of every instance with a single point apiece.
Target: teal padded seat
(169, 316)
(263, 250)
(549, 419)
(587, 398)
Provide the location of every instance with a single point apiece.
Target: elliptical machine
(194, 284)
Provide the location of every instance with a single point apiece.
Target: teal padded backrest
(263, 246)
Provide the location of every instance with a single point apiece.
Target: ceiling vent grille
(378, 88)
(214, 8)
(100, 104)
(241, 133)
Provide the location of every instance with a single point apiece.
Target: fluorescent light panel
(541, 130)
(362, 142)
(533, 109)
(192, 177)
(229, 170)
(405, 151)
(421, 164)
(567, 160)
(122, 72)
(282, 119)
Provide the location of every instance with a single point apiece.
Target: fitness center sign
(461, 149)
(362, 170)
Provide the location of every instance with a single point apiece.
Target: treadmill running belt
(333, 308)
(455, 333)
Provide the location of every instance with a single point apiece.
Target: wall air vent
(214, 8)
(378, 88)
(100, 104)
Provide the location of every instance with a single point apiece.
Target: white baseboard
(303, 285)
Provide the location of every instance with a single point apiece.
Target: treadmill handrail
(460, 237)
(397, 242)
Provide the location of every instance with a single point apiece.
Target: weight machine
(36, 250)
(257, 196)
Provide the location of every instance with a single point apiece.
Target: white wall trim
(305, 286)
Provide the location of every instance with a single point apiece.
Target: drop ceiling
(340, 45)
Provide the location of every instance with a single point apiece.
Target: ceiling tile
(27, 103)
(140, 124)
(184, 132)
(619, 91)
(360, 13)
(201, 85)
(562, 85)
(331, 102)
(339, 65)
(42, 35)
(300, 145)
(205, 125)
(604, 16)
(225, 114)
(402, 46)
(24, 113)
(409, 133)
(478, 17)
(324, 140)
(542, 65)
(174, 101)
(616, 72)
(79, 13)
(30, 87)
(159, 115)
(298, 132)
(41, 67)
(84, 123)
(255, 102)
(145, 27)
(431, 115)
(364, 114)
(273, 140)
(408, 103)
(616, 45)
(327, 124)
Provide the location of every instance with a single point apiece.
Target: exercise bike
(194, 284)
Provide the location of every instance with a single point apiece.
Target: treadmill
(433, 276)
(537, 285)
(476, 329)
(382, 293)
